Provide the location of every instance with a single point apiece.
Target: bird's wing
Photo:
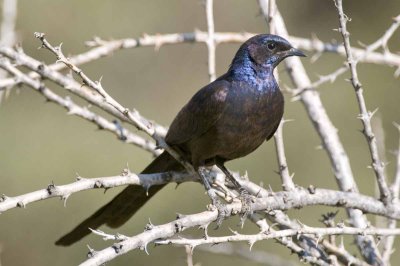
(199, 114)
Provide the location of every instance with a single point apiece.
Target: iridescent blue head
(261, 54)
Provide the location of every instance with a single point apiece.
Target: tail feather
(124, 205)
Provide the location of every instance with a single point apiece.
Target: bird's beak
(295, 52)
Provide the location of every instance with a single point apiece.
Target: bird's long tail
(124, 205)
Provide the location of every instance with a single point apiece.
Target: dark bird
(227, 119)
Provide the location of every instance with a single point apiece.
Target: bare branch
(210, 40)
(74, 109)
(102, 48)
(395, 188)
(365, 115)
(257, 256)
(304, 252)
(76, 88)
(64, 191)
(305, 230)
(322, 80)
(141, 241)
(287, 179)
(170, 229)
(189, 255)
(329, 137)
(7, 31)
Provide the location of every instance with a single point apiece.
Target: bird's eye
(271, 46)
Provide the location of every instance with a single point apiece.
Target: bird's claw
(223, 211)
(246, 200)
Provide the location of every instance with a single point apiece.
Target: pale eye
(271, 46)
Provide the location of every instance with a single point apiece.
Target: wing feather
(199, 114)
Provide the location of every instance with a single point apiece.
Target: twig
(210, 40)
(365, 115)
(322, 80)
(257, 256)
(342, 254)
(74, 109)
(7, 32)
(141, 241)
(189, 255)
(64, 191)
(305, 230)
(304, 252)
(287, 179)
(76, 88)
(283, 200)
(102, 48)
(8, 36)
(395, 188)
(329, 137)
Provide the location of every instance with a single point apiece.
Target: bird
(225, 120)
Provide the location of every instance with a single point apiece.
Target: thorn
(147, 188)
(98, 184)
(180, 215)
(371, 114)
(315, 57)
(251, 243)
(125, 172)
(149, 226)
(363, 45)
(21, 204)
(145, 249)
(205, 228)
(65, 198)
(397, 72)
(91, 252)
(3, 198)
(51, 188)
(191, 247)
(311, 189)
(59, 47)
(78, 177)
(117, 247)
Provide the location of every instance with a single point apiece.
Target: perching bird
(227, 119)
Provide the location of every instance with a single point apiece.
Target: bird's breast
(250, 116)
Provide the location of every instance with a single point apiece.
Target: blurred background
(39, 143)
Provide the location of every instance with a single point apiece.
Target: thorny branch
(365, 115)
(211, 44)
(267, 203)
(64, 191)
(154, 233)
(394, 189)
(74, 109)
(102, 48)
(7, 33)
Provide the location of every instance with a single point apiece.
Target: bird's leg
(245, 198)
(222, 210)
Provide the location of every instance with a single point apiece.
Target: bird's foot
(246, 200)
(223, 211)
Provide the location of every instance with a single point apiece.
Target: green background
(39, 143)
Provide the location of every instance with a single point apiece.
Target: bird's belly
(243, 129)
(241, 139)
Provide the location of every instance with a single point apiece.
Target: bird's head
(268, 49)
(264, 51)
(258, 56)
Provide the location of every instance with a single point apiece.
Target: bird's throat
(261, 77)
